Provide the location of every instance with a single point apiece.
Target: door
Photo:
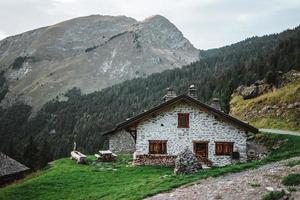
(201, 150)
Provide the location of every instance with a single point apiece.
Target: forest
(83, 118)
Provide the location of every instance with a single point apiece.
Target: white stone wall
(121, 142)
(203, 127)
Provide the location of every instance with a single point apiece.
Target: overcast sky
(206, 23)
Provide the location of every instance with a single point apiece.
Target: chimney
(170, 94)
(216, 104)
(192, 91)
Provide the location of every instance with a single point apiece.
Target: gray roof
(10, 166)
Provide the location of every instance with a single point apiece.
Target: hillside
(67, 180)
(85, 117)
(90, 53)
(277, 109)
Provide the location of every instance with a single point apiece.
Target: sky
(206, 23)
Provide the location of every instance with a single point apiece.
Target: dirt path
(250, 184)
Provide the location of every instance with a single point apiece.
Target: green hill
(67, 180)
(279, 109)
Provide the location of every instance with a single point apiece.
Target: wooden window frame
(222, 143)
(162, 142)
(180, 115)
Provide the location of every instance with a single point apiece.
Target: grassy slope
(67, 180)
(289, 120)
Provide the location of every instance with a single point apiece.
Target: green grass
(274, 195)
(291, 180)
(67, 180)
(293, 163)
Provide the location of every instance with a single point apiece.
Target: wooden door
(201, 149)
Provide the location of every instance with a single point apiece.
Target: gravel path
(250, 184)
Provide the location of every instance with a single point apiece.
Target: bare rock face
(253, 90)
(186, 162)
(91, 53)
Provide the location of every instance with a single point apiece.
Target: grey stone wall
(203, 127)
(121, 142)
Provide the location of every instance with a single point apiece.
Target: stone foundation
(163, 160)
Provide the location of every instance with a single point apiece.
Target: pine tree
(30, 155)
(45, 155)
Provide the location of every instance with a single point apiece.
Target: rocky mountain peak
(90, 53)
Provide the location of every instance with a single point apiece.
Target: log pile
(106, 156)
(79, 157)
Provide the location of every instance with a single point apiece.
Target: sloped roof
(186, 98)
(10, 166)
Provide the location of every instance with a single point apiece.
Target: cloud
(206, 23)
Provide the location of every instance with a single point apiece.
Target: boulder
(186, 162)
(254, 90)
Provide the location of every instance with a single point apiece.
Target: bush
(291, 179)
(271, 77)
(18, 62)
(275, 195)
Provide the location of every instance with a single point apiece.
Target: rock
(186, 162)
(254, 90)
(271, 189)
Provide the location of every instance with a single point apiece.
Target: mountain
(85, 117)
(270, 103)
(90, 53)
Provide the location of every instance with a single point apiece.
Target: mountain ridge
(91, 53)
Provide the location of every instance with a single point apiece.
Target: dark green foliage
(18, 62)
(274, 195)
(85, 117)
(31, 154)
(3, 86)
(291, 180)
(271, 77)
(45, 155)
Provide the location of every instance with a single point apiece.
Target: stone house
(159, 134)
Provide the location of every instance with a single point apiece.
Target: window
(157, 146)
(183, 120)
(224, 148)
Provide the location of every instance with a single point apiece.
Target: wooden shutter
(224, 148)
(183, 120)
(157, 147)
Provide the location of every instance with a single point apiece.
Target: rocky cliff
(91, 53)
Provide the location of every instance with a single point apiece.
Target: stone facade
(121, 142)
(203, 126)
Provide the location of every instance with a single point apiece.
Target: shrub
(18, 62)
(274, 195)
(291, 179)
(271, 77)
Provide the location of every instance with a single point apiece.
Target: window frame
(179, 120)
(162, 143)
(223, 143)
